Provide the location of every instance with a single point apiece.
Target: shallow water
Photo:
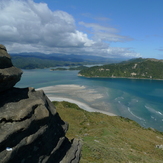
(139, 100)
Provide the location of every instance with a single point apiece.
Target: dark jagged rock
(31, 130)
(9, 75)
(71, 155)
(5, 60)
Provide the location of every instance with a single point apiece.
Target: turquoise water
(139, 100)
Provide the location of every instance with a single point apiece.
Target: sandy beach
(71, 93)
(80, 104)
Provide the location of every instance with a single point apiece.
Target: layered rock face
(31, 131)
(9, 75)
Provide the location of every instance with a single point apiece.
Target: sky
(107, 28)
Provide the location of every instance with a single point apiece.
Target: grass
(108, 139)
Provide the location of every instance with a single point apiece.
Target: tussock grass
(108, 139)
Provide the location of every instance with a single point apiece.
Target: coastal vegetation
(135, 68)
(111, 138)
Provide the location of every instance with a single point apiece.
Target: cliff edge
(31, 129)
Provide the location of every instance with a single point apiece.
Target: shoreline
(63, 92)
(80, 104)
(97, 77)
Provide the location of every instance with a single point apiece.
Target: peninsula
(136, 68)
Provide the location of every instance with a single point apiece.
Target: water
(139, 100)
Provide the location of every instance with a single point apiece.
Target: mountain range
(40, 60)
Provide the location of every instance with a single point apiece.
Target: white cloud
(27, 26)
(122, 52)
(102, 33)
(29, 22)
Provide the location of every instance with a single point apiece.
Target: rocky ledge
(31, 129)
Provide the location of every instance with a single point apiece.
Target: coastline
(80, 104)
(98, 77)
(75, 94)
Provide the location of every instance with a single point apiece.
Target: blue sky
(109, 28)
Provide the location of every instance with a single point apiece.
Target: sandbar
(75, 94)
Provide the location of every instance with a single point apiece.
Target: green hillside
(40, 60)
(29, 62)
(108, 139)
(138, 68)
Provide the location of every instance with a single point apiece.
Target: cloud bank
(27, 26)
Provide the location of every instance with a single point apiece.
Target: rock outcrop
(9, 75)
(30, 128)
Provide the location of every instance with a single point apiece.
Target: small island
(136, 68)
(58, 69)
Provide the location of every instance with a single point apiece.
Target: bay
(140, 100)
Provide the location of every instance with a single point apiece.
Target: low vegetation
(108, 139)
(137, 68)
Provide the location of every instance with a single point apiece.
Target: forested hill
(135, 68)
(40, 60)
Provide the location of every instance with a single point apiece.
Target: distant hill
(111, 139)
(134, 68)
(40, 60)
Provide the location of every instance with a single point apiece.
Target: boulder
(159, 146)
(5, 59)
(9, 75)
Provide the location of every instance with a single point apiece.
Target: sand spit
(61, 92)
(74, 91)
